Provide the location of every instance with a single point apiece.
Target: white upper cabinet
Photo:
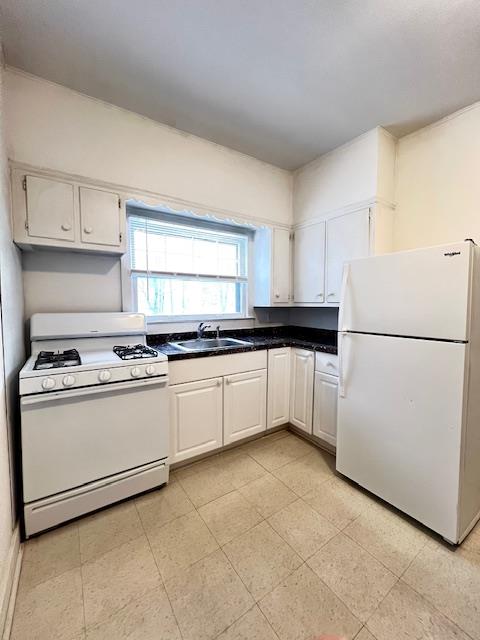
(339, 188)
(273, 267)
(282, 266)
(348, 238)
(100, 217)
(309, 264)
(50, 209)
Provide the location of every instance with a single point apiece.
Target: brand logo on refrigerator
(450, 254)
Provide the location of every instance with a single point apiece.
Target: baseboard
(9, 584)
(321, 444)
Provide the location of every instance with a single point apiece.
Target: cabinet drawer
(326, 363)
(210, 367)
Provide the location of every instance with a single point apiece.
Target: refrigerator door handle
(341, 374)
(343, 294)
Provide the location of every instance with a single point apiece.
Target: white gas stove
(94, 411)
(72, 350)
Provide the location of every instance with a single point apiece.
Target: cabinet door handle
(330, 295)
(319, 294)
(277, 295)
(219, 383)
(88, 229)
(227, 381)
(66, 226)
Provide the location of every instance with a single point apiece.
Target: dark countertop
(259, 339)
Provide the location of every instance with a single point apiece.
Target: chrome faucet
(201, 330)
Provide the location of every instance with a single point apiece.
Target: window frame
(129, 296)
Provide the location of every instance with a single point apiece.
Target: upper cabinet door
(99, 217)
(281, 266)
(348, 238)
(309, 264)
(50, 209)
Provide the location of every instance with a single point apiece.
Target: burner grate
(134, 352)
(57, 359)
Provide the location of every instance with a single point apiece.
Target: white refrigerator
(409, 386)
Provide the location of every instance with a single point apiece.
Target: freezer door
(399, 423)
(421, 293)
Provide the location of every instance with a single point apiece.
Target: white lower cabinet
(196, 420)
(234, 404)
(301, 389)
(278, 396)
(244, 405)
(325, 407)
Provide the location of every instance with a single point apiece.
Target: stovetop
(134, 352)
(57, 359)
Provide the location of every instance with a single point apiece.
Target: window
(187, 269)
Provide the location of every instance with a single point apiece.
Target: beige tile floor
(264, 542)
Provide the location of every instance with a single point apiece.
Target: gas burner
(55, 360)
(134, 352)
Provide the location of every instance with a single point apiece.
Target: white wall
(11, 358)
(438, 182)
(357, 172)
(56, 281)
(321, 318)
(52, 127)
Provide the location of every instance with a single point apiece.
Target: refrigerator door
(400, 410)
(421, 293)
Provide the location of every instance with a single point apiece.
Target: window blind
(179, 268)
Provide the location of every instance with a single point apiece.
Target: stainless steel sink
(204, 344)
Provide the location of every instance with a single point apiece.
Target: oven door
(71, 438)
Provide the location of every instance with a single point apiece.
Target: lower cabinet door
(244, 405)
(301, 389)
(278, 397)
(325, 407)
(195, 418)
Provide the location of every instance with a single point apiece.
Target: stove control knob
(135, 372)
(104, 376)
(48, 384)
(150, 370)
(68, 381)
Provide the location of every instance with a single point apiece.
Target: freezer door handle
(343, 295)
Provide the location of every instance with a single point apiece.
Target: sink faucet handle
(201, 329)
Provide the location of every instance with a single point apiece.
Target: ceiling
(281, 80)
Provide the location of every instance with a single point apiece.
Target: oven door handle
(94, 390)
